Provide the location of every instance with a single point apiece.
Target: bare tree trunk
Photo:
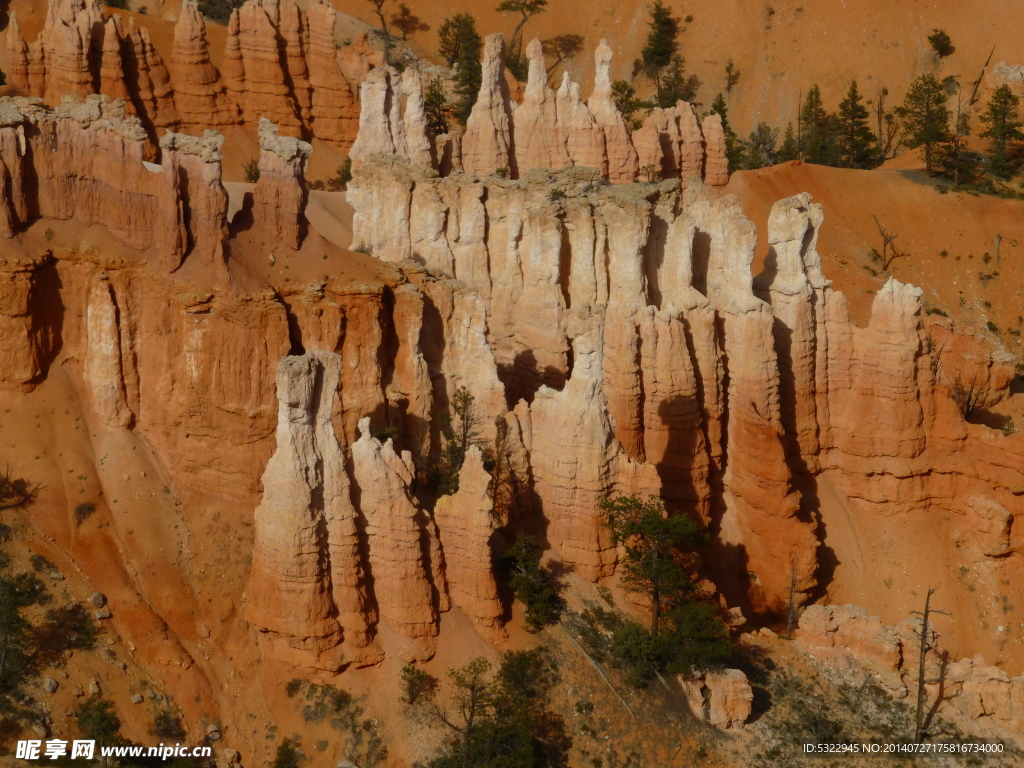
(924, 648)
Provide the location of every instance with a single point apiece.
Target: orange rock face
(279, 200)
(466, 523)
(199, 94)
(304, 84)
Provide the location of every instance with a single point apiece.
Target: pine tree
(1002, 118)
(526, 9)
(955, 158)
(925, 117)
(436, 107)
(467, 47)
(660, 61)
(789, 150)
(760, 147)
(733, 146)
(813, 135)
(856, 141)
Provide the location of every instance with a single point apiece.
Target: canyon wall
(628, 316)
(280, 62)
(614, 336)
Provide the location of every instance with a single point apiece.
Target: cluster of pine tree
(935, 117)
(844, 139)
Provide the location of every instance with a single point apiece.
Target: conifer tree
(526, 9)
(789, 150)
(760, 149)
(1002, 118)
(460, 40)
(925, 117)
(813, 127)
(856, 141)
(661, 62)
(733, 146)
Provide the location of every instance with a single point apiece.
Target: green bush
(532, 584)
(941, 43)
(251, 170)
(417, 684)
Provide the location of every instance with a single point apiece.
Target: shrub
(167, 725)
(418, 684)
(63, 629)
(992, 327)
(941, 43)
(121, 5)
(293, 687)
(251, 170)
(97, 720)
(84, 511)
(531, 584)
(288, 755)
(218, 11)
(40, 563)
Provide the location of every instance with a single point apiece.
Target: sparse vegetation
(436, 107)
(219, 11)
(526, 9)
(941, 43)
(503, 719)
(532, 584)
(16, 492)
(324, 702)
(251, 170)
(660, 61)
(378, 9)
(925, 117)
(461, 430)
(418, 685)
(461, 45)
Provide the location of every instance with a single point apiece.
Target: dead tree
(925, 646)
(889, 252)
(16, 492)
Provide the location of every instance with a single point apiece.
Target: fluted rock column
(279, 201)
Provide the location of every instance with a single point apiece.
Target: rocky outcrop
(279, 201)
(841, 635)
(549, 130)
(396, 530)
(622, 158)
(466, 522)
(488, 143)
(736, 393)
(723, 698)
(199, 94)
(334, 112)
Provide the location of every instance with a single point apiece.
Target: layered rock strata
(279, 63)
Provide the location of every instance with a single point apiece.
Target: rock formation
(723, 698)
(466, 523)
(549, 130)
(199, 94)
(279, 201)
(837, 635)
(396, 529)
(301, 83)
(724, 394)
